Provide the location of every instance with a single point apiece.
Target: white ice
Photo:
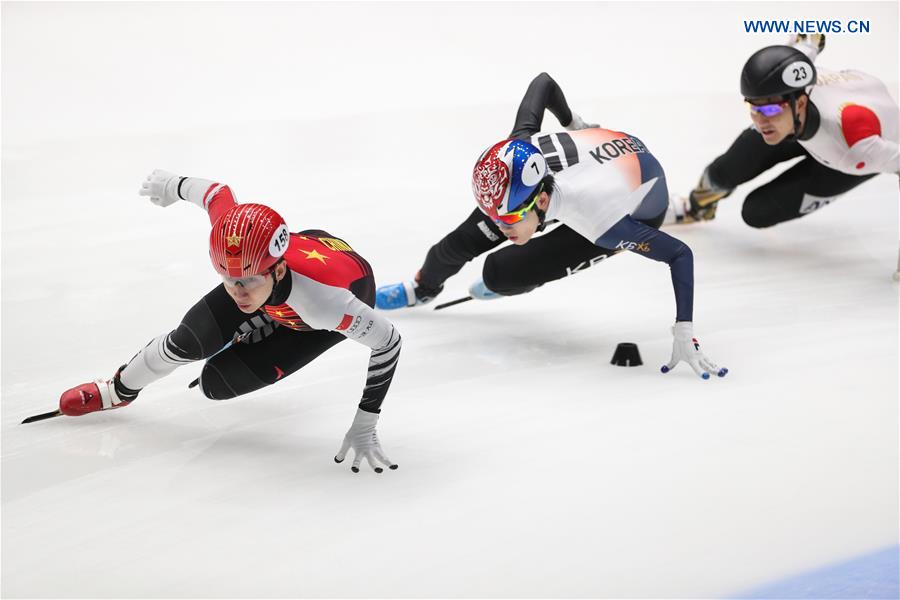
(529, 466)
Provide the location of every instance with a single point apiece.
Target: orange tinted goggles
(517, 216)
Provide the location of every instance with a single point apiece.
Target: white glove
(686, 348)
(578, 123)
(162, 187)
(363, 438)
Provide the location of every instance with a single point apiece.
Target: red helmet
(506, 176)
(247, 240)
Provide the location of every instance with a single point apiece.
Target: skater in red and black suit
(285, 298)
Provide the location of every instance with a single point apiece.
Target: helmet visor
(248, 283)
(767, 110)
(519, 215)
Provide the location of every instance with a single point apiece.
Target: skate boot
(479, 291)
(97, 395)
(404, 294)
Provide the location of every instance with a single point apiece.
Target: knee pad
(490, 275)
(757, 214)
(499, 281)
(197, 336)
(184, 344)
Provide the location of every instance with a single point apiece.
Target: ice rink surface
(529, 466)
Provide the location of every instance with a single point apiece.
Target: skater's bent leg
(519, 269)
(244, 368)
(799, 191)
(204, 330)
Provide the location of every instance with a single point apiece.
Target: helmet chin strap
(792, 102)
(542, 217)
(271, 299)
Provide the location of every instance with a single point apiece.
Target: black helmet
(777, 71)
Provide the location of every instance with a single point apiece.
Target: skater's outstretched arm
(165, 188)
(544, 94)
(630, 234)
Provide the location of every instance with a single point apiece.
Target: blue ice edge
(871, 576)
